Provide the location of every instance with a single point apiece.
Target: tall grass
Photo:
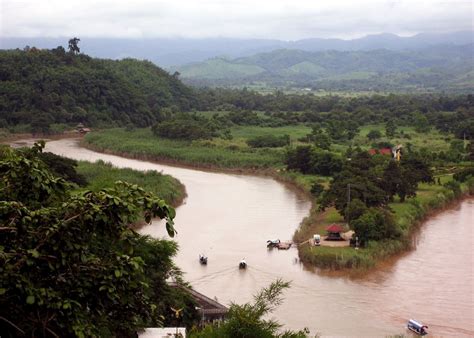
(102, 175)
(141, 143)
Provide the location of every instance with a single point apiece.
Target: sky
(269, 19)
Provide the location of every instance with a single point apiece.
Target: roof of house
(206, 304)
(334, 228)
(383, 151)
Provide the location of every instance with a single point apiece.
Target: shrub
(269, 141)
(375, 224)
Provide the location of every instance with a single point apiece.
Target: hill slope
(51, 86)
(180, 51)
(436, 68)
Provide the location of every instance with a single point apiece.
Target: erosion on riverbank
(408, 214)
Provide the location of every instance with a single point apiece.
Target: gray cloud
(280, 19)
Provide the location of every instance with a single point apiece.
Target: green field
(101, 175)
(236, 154)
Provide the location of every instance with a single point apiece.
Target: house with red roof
(334, 232)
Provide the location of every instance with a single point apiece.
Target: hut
(209, 309)
(334, 233)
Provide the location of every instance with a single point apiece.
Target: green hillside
(220, 69)
(435, 68)
(41, 87)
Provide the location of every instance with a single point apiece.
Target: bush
(464, 174)
(317, 189)
(374, 134)
(182, 129)
(269, 141)
(375, 224)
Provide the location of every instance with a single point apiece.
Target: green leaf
(30, 300)
(2, 291)
(118, 273)
(34, 253)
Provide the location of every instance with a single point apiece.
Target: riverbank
(408, 215)
(100, 175)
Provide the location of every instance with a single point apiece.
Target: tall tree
(70, 265)
(73, 45)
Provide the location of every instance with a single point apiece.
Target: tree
(420, 122)
(248, 320)
(70, 264)
(375, 224)
(354, 210)
(73, 45)
(390, 128)
(374, 134)
(299, 158)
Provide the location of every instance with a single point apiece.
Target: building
(209, 309)
(334, 232)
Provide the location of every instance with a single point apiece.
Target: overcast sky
(278, 19)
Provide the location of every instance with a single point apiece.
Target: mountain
(43, 87)
(442, 67)
(169, 52)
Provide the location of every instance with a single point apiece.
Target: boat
(284, 246)
(242, 264)
(417, 327)
(273, 243)
(202, 259)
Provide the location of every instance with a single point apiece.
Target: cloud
(280, 19)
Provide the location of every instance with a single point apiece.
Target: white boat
(417, 327)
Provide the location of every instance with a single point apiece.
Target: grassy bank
(102, 175)
(141, 143)
(235, 154)
(408, 216)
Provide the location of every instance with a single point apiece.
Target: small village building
(81, 129)
(382, 151)
(334, 232)
(209, 309)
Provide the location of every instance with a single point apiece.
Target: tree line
(45, 87)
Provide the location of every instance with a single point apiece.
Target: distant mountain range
(437, 68)
(176, 52)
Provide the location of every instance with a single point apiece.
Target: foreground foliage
(247, 320)
(70, 264)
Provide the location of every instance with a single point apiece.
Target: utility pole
(348, 202)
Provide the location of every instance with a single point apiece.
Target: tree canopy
(70, 264)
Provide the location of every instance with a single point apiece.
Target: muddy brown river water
(229, 217)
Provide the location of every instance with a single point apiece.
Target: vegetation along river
(229, 217)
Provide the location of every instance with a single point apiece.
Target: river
(229, 217)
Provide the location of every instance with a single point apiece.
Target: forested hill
(41, 87)
(435, 68)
